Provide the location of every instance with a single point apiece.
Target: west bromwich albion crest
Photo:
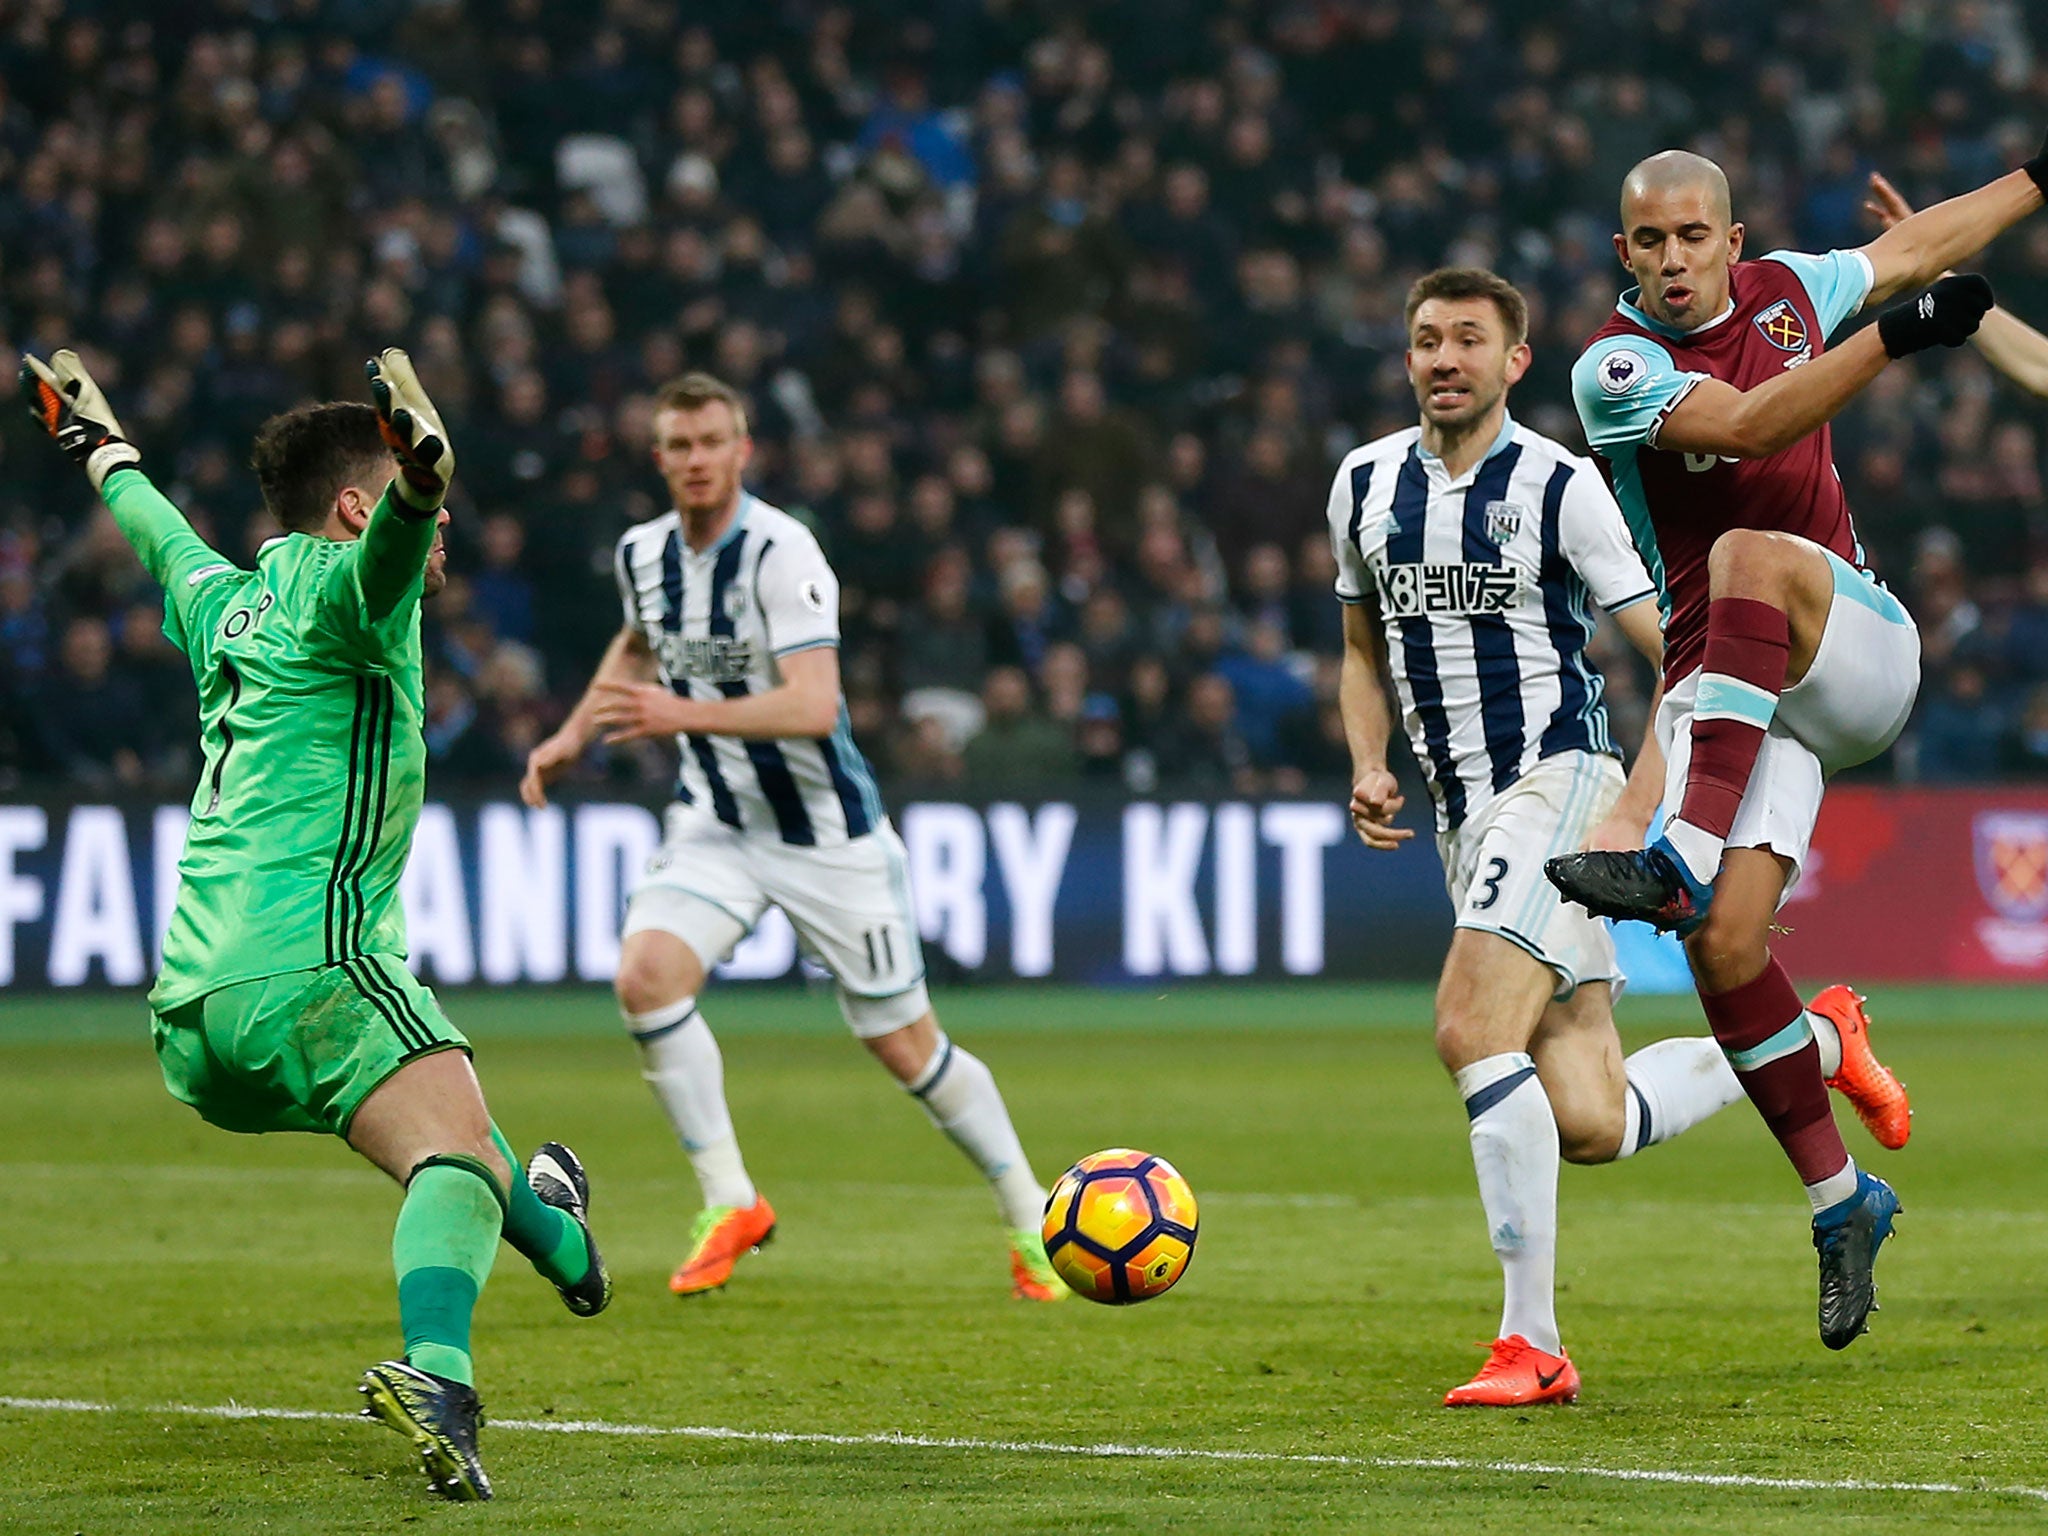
(1782, 327)
(1503, 520)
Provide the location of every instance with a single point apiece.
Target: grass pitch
(157, 1266)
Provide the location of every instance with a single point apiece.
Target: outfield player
(283, 1003)
(731, 645)
(1708, 393)
(1468, 550)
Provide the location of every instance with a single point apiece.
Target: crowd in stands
(1054, 318)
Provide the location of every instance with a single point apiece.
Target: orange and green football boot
(1878, 1098)
(1031, 1274)
(718, 1237)
(1518, 1375)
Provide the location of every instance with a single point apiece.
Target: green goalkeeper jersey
(313, 769)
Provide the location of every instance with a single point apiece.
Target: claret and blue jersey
(718, 621)
(1634, 372)
(1484, 583)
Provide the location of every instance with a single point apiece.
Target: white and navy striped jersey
(717, 622)
(1482, 584)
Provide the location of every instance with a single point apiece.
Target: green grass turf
(1341, 1279)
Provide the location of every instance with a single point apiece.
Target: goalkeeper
(282, 1003)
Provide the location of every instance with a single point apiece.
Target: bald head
(1679, 238)
(1677, 171)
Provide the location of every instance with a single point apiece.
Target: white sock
(681, 1062)
(960, 1096)
(1700, 851)
(1514, 1150)
(1829, 1039)
(1672, 1086)
(1833, 1189)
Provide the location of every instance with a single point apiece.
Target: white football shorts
(1850, 706)
(709, 884)
(1493, 866)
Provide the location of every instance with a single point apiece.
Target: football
(1120, 1226)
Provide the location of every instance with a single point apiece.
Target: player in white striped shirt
(1468, 551)
(730, 644)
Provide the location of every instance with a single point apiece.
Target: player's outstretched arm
(67, 403)
(1627, 826)
(400, 534)
(626, 661)
(1917, 249)
(804, 704)
(2008, 343)
(1368, 723)
(2015, 349)
(1715, 417)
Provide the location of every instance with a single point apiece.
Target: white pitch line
(1099, 1451)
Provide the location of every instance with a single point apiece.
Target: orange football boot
(1878, 1098)
(719, 1236)
(1518, 1375)
(1032, 1277)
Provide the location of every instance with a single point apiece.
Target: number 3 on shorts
(1496, 871)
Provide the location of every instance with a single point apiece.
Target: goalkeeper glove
(68, 405)
(412, 431)
(1946, 315)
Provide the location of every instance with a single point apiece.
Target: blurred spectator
(1314, 622)
(24, 625)
(88, 714)
(1957, 729)
(1270, 693)
(1266, 498)
(502, 592)
(926, 753)
(1064, 678)
(1017, 745)
(2024, 753)
(1099, 739)
(1102, 451)
(2026, 635)
(1027, 620)
(1108, 637)
(944, 643)
(1209, 754)
(1151, 719)
(169, 703)
(455, 744)
(1941, 605)
(1054, 323)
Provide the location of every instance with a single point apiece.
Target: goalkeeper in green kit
(282, 1003)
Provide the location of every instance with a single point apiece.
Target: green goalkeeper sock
(550, 1239)
(442, 1248)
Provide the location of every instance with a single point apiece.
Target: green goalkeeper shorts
(301, 1050)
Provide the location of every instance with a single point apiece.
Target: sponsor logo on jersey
(1782, 327)
(812, 593)
(1503, 520)
(1447, 591)
(714, 658)
(1621, 370)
